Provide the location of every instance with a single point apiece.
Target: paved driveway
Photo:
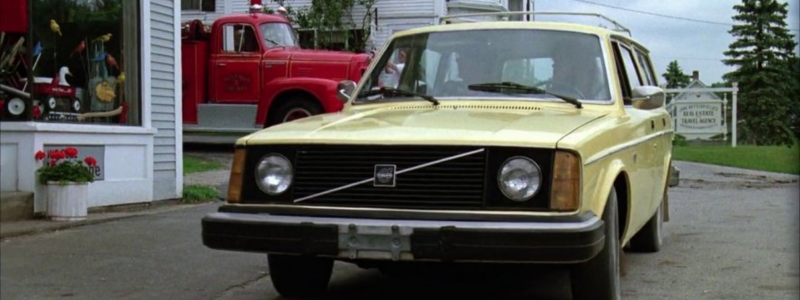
(733, 235)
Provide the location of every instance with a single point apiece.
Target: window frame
(203, 6)
(223, 40)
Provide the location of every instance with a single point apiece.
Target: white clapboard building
(392, 15)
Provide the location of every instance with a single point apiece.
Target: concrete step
(16, 206)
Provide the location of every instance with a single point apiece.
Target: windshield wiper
(397, 92)
(500, 86)
(272, 41)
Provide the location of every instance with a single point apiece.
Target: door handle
(221, 64)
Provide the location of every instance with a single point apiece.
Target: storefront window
(85, 62)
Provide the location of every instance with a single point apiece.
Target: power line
(663, 15)
(690, 58)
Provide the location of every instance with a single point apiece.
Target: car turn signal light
(566, 182)
(237, 172)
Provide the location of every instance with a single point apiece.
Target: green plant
(63, 165)
(198, 194)
(679, 140)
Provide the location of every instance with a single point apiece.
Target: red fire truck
(248, 73)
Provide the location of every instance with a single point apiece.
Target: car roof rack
(467, 18)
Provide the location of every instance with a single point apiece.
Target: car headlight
(519, 178)
(274, 174)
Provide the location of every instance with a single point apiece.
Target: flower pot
(68, 201)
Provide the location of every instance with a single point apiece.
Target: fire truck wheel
(76, 105)
(294, 109)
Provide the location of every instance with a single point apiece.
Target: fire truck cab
(248, 73)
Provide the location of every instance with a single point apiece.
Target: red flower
(90, 161)
(52, 162)
(71, 152)
(57, 154)
(39, 155)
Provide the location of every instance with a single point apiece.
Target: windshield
(277, 34)
(445, 64)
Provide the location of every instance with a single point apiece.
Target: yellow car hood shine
(423, 124)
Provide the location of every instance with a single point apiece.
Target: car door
(663, 142)
(641, 162)
(235, 66)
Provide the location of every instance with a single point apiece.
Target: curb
(42, 226)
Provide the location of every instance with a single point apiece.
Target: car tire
(649, 238)
(599, 278)
(299, 276)
(294, 109)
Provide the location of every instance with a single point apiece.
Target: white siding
(164, 63)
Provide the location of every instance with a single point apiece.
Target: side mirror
(344, 89)
(648, 97)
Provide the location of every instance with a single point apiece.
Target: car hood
(497, 125)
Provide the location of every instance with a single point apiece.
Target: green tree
(675, 77)
(763, 54)
(331, 18)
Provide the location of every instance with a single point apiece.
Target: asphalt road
(733, 235)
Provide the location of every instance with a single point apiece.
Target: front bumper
(397, 239)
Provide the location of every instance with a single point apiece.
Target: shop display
(79, 58)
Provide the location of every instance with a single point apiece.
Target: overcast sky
(696, 46)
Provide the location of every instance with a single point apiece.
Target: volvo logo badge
(385, 176)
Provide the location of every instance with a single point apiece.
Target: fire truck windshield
(277, 35)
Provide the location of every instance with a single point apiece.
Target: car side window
(624, 84)
(630, 67)
(239, 38)
(644, 62)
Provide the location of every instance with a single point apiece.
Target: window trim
(204, 6)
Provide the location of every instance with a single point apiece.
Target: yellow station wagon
(490, 142)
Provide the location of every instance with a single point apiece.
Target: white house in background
(698, 114)
(392, 15)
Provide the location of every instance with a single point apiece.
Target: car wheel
(294, 109)
(649, 238)
(599, 278)
(299, 276)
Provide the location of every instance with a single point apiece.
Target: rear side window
(644, 62)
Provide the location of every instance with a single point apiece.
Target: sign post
(733, 115)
